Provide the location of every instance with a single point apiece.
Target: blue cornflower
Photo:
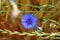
(29, 21)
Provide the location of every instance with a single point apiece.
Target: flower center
(29, 21)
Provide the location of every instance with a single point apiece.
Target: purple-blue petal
(29, 21)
